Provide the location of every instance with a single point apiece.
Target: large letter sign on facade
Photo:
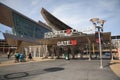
(66, 43)
(63, 43)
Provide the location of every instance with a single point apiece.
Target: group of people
(22, 57)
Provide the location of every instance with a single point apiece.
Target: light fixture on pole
(99, 24)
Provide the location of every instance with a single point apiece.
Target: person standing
(30, 56)
(16, 57)
(66, 53)
(21, 57)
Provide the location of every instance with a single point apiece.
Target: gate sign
(66, 43)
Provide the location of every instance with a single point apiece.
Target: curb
(12, 62)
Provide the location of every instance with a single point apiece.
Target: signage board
(66, 43)
(61, 33)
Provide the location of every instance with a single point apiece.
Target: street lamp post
(99, 24)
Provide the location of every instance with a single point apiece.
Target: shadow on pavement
(54, 69)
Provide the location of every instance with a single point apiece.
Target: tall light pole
(99, 25)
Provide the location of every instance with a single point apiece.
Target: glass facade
(24, 27)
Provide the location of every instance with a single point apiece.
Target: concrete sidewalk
(115, 66)
(12, 62)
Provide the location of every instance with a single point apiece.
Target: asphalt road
(58, 70)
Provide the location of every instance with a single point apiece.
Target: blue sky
(75, 13)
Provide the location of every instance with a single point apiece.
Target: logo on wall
(68, 31)
(66, 43)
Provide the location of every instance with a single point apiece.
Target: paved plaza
(58, 70)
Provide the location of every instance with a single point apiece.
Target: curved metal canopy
(53, 21)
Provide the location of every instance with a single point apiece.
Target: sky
(75, 13)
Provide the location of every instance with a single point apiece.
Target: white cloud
(35, 2)
(77, 14)
(72, 15)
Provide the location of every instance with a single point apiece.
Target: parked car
(107, 54)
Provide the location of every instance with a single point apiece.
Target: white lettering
(61, 33)
(63, 43)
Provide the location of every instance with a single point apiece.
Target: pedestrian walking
(66, 53)
(30, 56)
(21, 57)
(16, 57)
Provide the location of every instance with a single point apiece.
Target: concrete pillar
(26, 51)
(44, 50)
(30, 49)
(34, 51)
(40, 49)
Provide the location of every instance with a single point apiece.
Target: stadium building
(53, 39)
